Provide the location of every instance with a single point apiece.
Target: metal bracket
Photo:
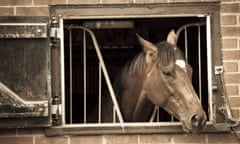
(218, 70)
(225, 108)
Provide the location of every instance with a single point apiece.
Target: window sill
(129, 128)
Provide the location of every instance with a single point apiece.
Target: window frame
(210, 10)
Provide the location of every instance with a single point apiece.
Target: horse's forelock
(166, 53)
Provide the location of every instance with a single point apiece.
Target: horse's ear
(172, 38)
(149, 48)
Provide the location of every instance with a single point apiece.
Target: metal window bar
(184, 29)
(199, 63)
(102, 68)
(99, 93)
(70, 75)
(84, 78)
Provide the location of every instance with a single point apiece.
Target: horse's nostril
(195, 120)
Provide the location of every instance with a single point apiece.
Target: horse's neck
(134, 102)
(143, 108)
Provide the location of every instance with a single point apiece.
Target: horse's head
(168, 83)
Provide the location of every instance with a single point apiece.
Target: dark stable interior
(118, 45)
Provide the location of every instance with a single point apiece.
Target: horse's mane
(166, 52)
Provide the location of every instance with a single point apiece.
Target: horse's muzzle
(198, 122)
(195, 124)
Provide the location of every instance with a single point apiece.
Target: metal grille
(194, 48)
(102, 70)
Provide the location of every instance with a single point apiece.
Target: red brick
(231, 55)
(16, 140)
(48, 2)
(238, 19)
(232, 90)
(83, 1)
(151, 1)
(233, 31)
(232, 78)
(155, 138)
(230, 8)
(15, 2)
(32, 11)
(116, 1)
(121, 139)
(235, 113)
(184, 0)
(6, 11)
(230, 66)
(210, 0)
(229, 43)
(190, 138)
(51, 140)
(225, 138)
(86, 140)
(228, 20)
(234, 102)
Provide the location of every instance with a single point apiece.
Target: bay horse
(158, 75)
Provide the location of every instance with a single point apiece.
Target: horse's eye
(167, 73)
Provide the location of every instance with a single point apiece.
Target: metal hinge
(54, 32)
(56, 111)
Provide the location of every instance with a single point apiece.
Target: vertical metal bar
(61, 36)
(186, 44)
(99, 93)
(199, 64)
(70, 73)
(172, 118)
(209, 68)
(84, 77)
(158, 114)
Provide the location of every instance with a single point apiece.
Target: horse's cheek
(155, 90)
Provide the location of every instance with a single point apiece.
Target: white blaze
(181, 63)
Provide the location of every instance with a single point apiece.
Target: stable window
(65, 66)
(83, 80)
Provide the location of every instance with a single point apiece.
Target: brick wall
(230, 26)
(230, 31)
